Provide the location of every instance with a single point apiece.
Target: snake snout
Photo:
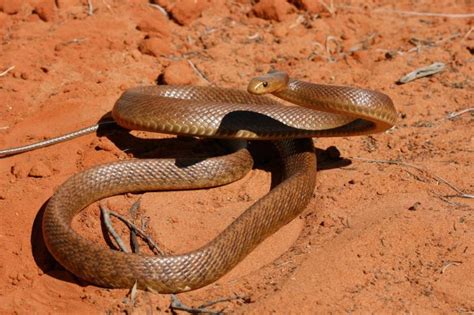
(271, 82)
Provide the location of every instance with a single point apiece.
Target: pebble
(179, 72)
(154, 24)
(46, 10)
(415, 206)
(39, 170)
(136, 55)
(186, 11)
(104, 145)
(11, 6)
(19, 170)
(155, 46)
(3, 194)
(276, 10)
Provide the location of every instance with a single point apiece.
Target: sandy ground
(376, 237)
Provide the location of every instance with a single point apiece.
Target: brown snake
(219, 113)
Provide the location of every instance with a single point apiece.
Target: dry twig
(422, 72)
(6, 71)
(154, 247)
(107, 5)
(449, 264)
(90, 7)
(419, 44)
(198, 72)
(133, 234)
(363, 44)
(337, 49)
(329, 7)
(227, 299)
(468, 33)
(459, 192)
(456, 114)
(176, 304)
(159, 8)
(427, 14)
(110, 228)
(132, 294)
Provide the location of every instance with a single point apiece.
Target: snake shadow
(180, 148)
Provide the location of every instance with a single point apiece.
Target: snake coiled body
(209, 112)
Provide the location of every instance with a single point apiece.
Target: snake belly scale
(219, 113)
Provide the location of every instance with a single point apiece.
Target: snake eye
(265, 84)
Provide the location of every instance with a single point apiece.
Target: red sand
(375, 238)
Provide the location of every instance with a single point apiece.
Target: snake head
(273, 81)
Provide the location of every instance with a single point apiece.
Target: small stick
(445, 199)
(460, 194)
(453, 36)
(75, 41)
(313, 54)
(334, 39)
(456, 114)
(448, 264)
(107, 5)
(142, 234)
(198, 72)
(430, 14)
(468, 33)
(330, 8)
(176, 304)
(132, 294)
(227, 299)
(133, 235)
(159, 8)
(363, 44)
(419, 44)
(300, 19)
(254, 36)
(6, 71)
(108, 224)
(131, 299)
(90, 7)
(422, 72)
